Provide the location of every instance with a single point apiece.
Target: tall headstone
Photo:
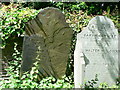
(96, 52)
(47, 40)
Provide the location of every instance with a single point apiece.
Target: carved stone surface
(48, 40)
(98, 43)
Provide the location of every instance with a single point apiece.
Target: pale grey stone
(99, 45)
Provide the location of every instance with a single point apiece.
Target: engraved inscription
(101, 27)
(99, 50)
(98, 43)
(111, 36)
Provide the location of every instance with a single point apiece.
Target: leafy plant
(91, 83)
(12, 20)
(31, 78)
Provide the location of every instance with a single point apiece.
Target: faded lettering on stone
(98, 42)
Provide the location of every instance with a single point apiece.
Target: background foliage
(12, 20)
(13, 17)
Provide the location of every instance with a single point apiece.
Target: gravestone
(96, 53)
(47, 40)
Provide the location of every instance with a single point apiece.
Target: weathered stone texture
(98, 42)
(50, 33)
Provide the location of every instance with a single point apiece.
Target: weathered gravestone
(47, 40)
(96, 52)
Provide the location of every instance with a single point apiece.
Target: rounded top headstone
(99, 44)
(100, 22)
